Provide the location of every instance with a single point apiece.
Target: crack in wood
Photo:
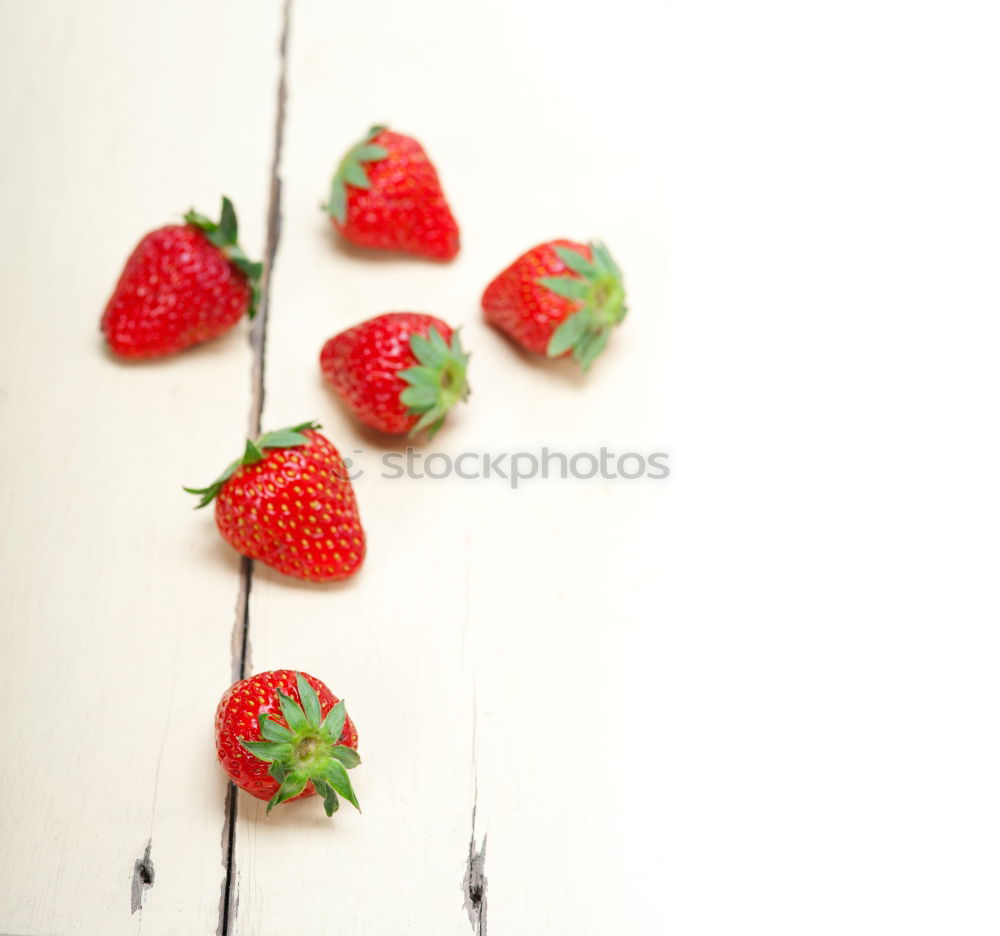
(240, 642)
(142, 877)
(474, 883)
(229, 901)
(258, 334)
(229, 898)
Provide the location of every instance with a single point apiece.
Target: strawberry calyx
(438, 381)
(222, 234)
(306, 748)
(351, 171)
(253, 453)
(597, 286)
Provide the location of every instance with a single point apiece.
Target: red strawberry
(289, 503)
(399, 372)
(559, 297)
(183, 284)
(386, 194)
(283, 735)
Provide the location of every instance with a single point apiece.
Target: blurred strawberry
(386, 195)
(559, 298)
(399, 372)
(183, 284)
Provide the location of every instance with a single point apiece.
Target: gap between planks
(258, 343)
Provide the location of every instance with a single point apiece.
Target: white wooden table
(585, 707)
(481, 650)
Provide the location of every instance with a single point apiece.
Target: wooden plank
(119, 602)
(482, 650)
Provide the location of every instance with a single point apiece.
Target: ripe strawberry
(399, 372)
(289, 503)
(386, 194)
(283, 735)
(181, 285)
(559, 297)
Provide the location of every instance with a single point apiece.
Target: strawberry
(283, 735)
(399, 372)
(289, 503)
(386, 194)
(183, 284)
(560, 297)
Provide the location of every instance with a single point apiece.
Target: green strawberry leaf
(576, 261)
(346, 755)
(282, 438)
(278, 771)
(292, 785)
(294, 715)
(370, 152)
(565, 286)
(333, 724)
(310, 701)
(604, 260)
(337, 205)
(330, 802)
(227, 222)
(571, 331)
(199, 220)
(273, 730)
(437, 341)
(268, 750)
(336, 777)
(588, 350)
(208, 494)
(253, 453)
(428, 353)
(429, 421)
(420, 397)
(420, 376)
(253, 269)
(356, 176)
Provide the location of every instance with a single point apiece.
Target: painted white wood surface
(484, 650)
(468, 649)
(823, 676)
(118, 609)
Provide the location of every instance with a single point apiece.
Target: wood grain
(119, 602)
